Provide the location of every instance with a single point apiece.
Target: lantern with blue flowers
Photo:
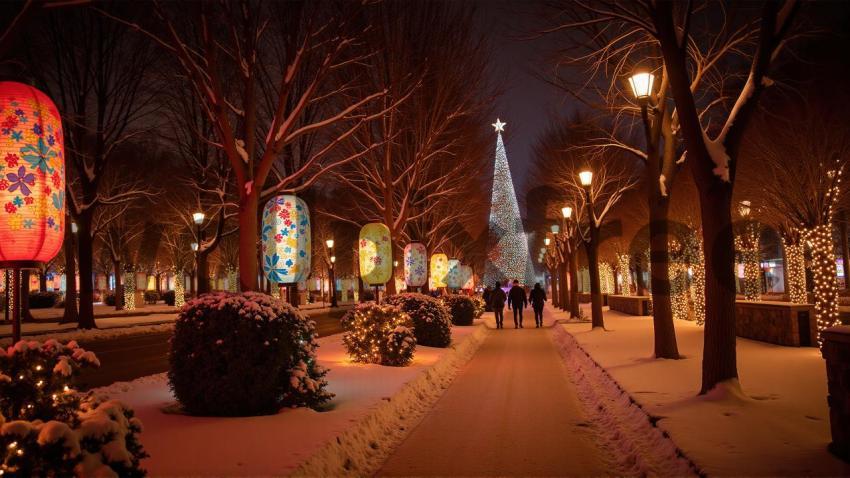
(286, 240)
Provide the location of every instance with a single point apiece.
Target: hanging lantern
(376, 255)
(439, 270)
(32, 176)
(453, 276)
(415, 264)
(467, 278)
(286, 239)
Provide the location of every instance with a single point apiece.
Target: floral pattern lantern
(415, 264)
(453, 276)
(32, 176)
(286, 239)
(467, 278)
(376, 254)
(439, 270)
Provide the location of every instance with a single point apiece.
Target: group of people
(516, 300)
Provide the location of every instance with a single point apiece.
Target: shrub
(237, 354)
(461, 307)
(168, 297)
(379, 334)
(432, 322)
(48, 429)
(480, 306)
(43, 300)
(151, 297)
(109, 299)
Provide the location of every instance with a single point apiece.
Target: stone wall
(633, 305)
(781, 323)
(836, 351)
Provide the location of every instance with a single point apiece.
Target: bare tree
(234, 56)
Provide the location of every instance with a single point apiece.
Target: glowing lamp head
(641, 83)
(744, 208)
(542, 251)
(32, 183)
(194, 247)
(74, 227)
(555, 228)
(333, 259)
(198, 218)
(330, 243)
(547, 241)
(586, 177)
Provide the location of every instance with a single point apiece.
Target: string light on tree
(695, 259)
(747, 245)
(507, 245)
(130, 291)
(796, 268)
(625, 274)
(606, 278)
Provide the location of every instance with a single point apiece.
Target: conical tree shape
(507, 247)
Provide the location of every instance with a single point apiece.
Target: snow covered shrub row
(432, 323)
(379, 334)
(480, 306)
(238, 354)
(461, 307)
(48, 429)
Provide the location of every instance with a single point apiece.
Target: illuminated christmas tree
(507, 247)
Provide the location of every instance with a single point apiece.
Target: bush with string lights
(48, 429)
(432, 322)
(461, 307)
(381, 334)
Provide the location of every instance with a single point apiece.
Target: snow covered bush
(461, 307)
(237, 354)
(480, 306)
(432, 323)
(380, 334)
(48, 429)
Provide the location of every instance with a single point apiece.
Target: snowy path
(511, 411)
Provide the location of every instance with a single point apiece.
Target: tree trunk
(845, 248)
(203, 272)
(593, 267)
(719, 361)
(119, 291)
(640, 286)
(574, 305)
(554, 281)
(84, 238)
(248, 204)
(662, 312)
(563, 271)
(70, 315)
(42, 280)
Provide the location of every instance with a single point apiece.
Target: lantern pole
(16, 304)
(377, 292)
(8, 304)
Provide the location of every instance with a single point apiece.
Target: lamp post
(567, 298)
(330, 244)
(200, 268)
(592, 246)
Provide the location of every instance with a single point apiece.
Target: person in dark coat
(497, 303)
(537, 297)
(486, 297)
(517, 301)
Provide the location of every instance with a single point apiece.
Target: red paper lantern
(32, 176)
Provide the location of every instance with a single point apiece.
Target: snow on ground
(108, 328)
(370, 402)
(781, 426)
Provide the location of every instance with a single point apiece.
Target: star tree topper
(499, 125)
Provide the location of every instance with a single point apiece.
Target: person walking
(497, 304)
(486, 297)
(537, 297)
(517, 301)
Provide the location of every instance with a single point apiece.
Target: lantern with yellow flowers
(439, 270)
(32, 183)
(286, 242)
(376, 256)
(415, 264)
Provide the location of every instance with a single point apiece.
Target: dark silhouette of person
(497, 303)
(517, 301)
(537, 297)
(486, 297)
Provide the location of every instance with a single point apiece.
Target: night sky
(526, 103)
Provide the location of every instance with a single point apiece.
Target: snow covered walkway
(511, 411)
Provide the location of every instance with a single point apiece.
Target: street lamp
(744, 208)
(585, 177)
(567, 212)
(546, 241)
(330, 244)
(641, 83)
(555, 228)
(198, 218)
(194, 247)
(74, 228)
